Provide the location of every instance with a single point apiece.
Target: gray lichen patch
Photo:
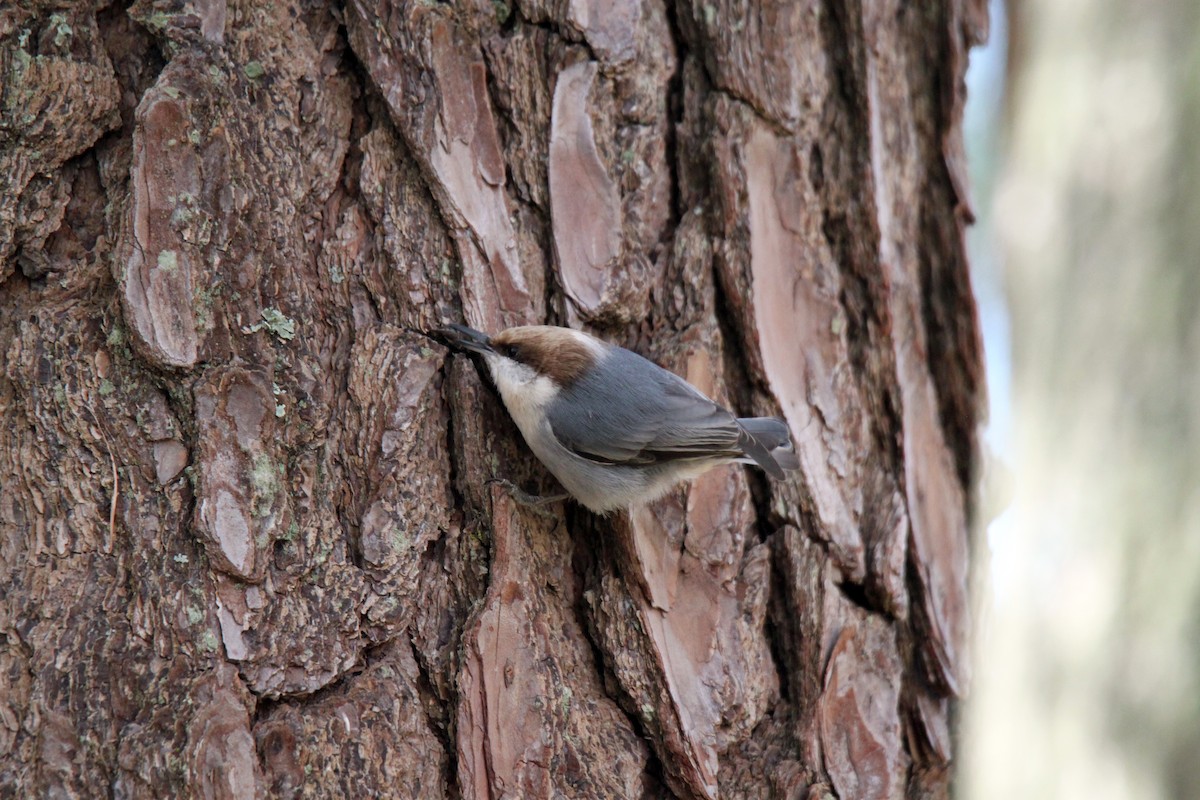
(276, 323)
(264, 478)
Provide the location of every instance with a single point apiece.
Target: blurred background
(1082, 128)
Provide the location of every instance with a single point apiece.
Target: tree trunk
(250, 547)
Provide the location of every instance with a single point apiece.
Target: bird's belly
(600, 487)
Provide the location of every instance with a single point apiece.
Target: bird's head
(530, 358)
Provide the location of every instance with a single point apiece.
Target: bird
(614, 428)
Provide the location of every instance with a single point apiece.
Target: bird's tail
(767, 442)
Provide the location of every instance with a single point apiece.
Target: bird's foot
(524, 498)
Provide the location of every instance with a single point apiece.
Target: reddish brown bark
(249, 544)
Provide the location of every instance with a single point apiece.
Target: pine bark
(250, 543)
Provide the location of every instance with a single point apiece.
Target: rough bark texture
(249, 545)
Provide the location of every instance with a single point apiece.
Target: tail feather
(768, 442)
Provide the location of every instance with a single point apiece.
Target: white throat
(524, 391)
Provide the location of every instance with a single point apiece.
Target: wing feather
(641, 414)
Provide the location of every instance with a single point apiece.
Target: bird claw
(524, 498)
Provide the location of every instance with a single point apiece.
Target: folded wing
(641, 414)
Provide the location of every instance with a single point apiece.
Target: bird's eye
(509, 351)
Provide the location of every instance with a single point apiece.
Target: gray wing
(634, 412)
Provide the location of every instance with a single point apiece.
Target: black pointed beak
(462, 338)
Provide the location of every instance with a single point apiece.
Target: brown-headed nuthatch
(615, 429)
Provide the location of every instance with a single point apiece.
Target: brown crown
(554, 352)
